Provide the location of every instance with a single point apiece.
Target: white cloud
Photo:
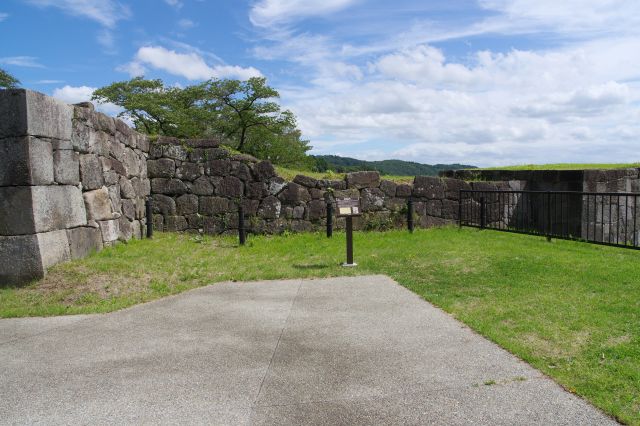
(268, 13)
(77, 94)
(189, 65)
(21, 61)
(105, 12)
(48, 81)
(174, 3)
(186, 24)
(106, 40)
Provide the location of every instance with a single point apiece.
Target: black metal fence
(603, 218)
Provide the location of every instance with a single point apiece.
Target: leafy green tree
(7, 81)
(244, 114)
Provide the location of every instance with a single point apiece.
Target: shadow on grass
(311, 266)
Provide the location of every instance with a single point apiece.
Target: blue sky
(486, 82)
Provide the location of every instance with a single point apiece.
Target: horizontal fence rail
(609, 218)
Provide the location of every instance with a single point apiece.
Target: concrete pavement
(360, 350)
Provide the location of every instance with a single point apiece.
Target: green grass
(289, 174)
(564, 166)
(570, 309)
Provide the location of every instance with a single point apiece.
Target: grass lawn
(565, 166)
(570, 309)
(289, 174)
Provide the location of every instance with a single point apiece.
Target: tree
(7, 81)
(244, 114)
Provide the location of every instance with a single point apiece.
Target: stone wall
(198, 186)
(71, 181)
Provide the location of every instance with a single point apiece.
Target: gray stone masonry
(65, 174)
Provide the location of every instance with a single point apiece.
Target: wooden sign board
(348, 207)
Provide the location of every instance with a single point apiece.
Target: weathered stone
(403, 190)
(188, 171)
(25, 112)
(230, 186)
(129, 209)
(110, 177)
(256, 190)
(483, 186)
(301, 226)
(54, 247)
(141, 208)
(287, 212)
(116, 200)
(213, 225)
(131, 162)
(118, 167)
(25, 161)
(138, 229)
(317, 194)
(194, 221)
(202, 186)
(453, 188)
(298, 212)
(91, 172)
(428, 187)
(372, 199)
(84, 241)
(98, 204)
(388, 187)
(250, 207)
(187, 204)
(32, 209)
(395, 204)
(430, 222)
(141, 186)
(161, 168)
(332, 184)
(175, 223)
(434, 208)
(217, 167)
(450, 209)
(270, 208)
(168, 186)
(241, 171)
(21, 261)
(66, 167)
(126, 188)
(163, 204)
(104, 122)
(307, 181)
(213, 205)
(361, 180)
(176, 152)
(110, 230)
(245, 158)
(294, 193)
(317, 209)
(263, 171)
(276, 185)
(158, 222)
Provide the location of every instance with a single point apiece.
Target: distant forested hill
(385, 167)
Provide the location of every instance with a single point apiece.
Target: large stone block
(168, 186)
(54, 247)
(189, 171)
(91, 172)
(363, 180)
(202, 186)
(110, 230)
(294, 193)
(25, 112)
(317, 209)
(217, 167)
(25, 161)
(84, 241)
(230, 186)
(307, 181)
(187, 204)
(372, 199)
(428, 187)
(126, 188)
(264, 170)
(163, 204)
(66, 167)
(33, 209)
(270, 208)
(21, 260)
(213, 205)
(98, 204)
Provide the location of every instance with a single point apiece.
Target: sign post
(349, 208)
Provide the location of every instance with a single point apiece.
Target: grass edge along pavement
(570, 309)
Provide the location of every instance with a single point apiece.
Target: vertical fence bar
(410, 214)
(635, 220)
(460, 209)
(241, 232)
(149, 213)
(329, 219)
(588, 217)
(548, 226)
(482, 213)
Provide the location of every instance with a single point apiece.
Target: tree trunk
(242, 137)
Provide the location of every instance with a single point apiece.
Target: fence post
(149, 213)
(329, 219)
(483, 219)
(241, 232)
(548, 216)
(460, 209)
(410, 214)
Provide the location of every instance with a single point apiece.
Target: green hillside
(385, 167)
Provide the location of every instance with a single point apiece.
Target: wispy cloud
(21, 61)
(189, 65)
(186, 24)
(48, 82)
(174, 3)
(105, 12)
(268, 13)
(3, 16)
